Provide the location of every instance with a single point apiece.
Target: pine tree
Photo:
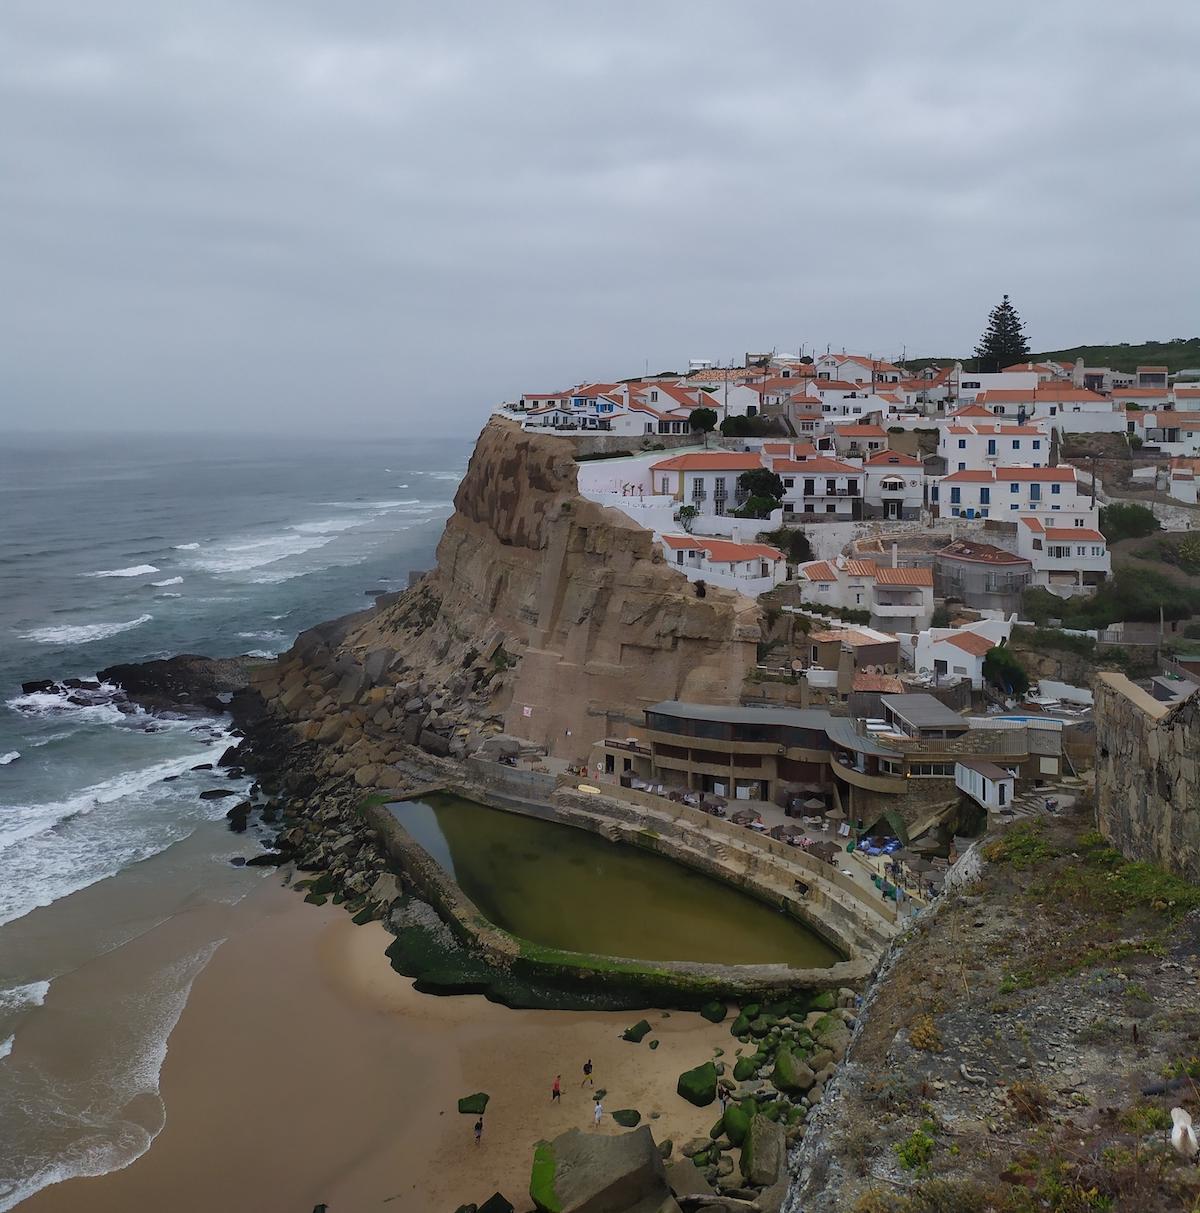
(1003, 342)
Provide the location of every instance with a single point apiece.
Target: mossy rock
(791, 1074)
(653, 1044)
(627, 1118)
(541, 1180)
(762, 1025)
(637, 1033)
(740, 1026)
(827, 1023)
(747, 1067)
(496, 1204)
(324, 883)
(473, 1105)
(751, 1010)
(714, 1011)
(718, 1052)
(666, 1148)
(718, 1128)
(737, 1124)
(365, 915)
(699, 1161)
(796, 1115)
(825, 1001)
(699, 1085)
(317, 899)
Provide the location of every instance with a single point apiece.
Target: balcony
(871, 783)
(699, 495)
(896, 610)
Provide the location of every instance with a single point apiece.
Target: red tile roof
(886, 684)
(893, 459)
(970, 476)
(1066, 533)
(970, 642)
(981, 553)
(709, 461)
(884, 575)
(861, 431)
(722, 551)
(819, 570)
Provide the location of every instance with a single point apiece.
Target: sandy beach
(304, 1070)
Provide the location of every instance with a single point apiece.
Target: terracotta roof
(859, 568)
(885, 575)
(981, 553)
(1064, 533)
(971, 410)
(970, 476)
(970, 642)
(998, 430)
(861, 431)
(893, 459)
(723, 551)
(1160, 370)
(1187, 393)
(819, 570)
(887, 684)
(820, 463)
(714, 461)
(850, 636)
(1155, 392)
(836, 385)
(1034, 524)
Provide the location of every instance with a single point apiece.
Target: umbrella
(814, 803)
(719, 801)
(835, 814)
(919, 864)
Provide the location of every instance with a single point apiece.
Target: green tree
(736, 427)
(757, 507)
(1127, 520)
(687, 515)
(703, 421)
(1003, 341)
(761, 482)
(1005, 672)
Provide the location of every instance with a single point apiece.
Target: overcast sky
(312, 215)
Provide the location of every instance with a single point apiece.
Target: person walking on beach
(597, 1113)
(556, 1089)
(479, 1130)
(588, 1081)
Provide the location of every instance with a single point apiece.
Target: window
(831, 508)
(1055, 488)
(1059, 551)
(991, 446)
(1035, 492)
(679, 557)
(962, 467)
(985, 496)
(1081, 551)
(1037, 444)
(810, 488)
(788, 481)
(1079, 522)
(962, 444)
(1016, 444)
(808, 507)
(666, 483)
(830, 488)
(822, 587)
(653, 397)
(1014, 488)
(933, 492)
(852, 487)
(971, 383)
(955, 495)
(1097, 551)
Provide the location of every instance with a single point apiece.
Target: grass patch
(915, 1151)
(1023, 845)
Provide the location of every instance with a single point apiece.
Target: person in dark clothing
(588, 1081)
(556, 1089)
(479, 1130)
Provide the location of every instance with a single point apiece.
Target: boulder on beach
(238, 816)
(496, 1204)
(637, 1032)
(627, 1118)
(791, 1074)
(714, 1012)
(217, 793)
(765, 1153)
(699, 1085)
(580, 1172)
(473, 1105)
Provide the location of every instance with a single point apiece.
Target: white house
(1065, 406)
(1006, 492)
(972, 383)
(899, 599)
(1181, 483)
(749, 568)
(820, 487)
(893, 485)
(981, 444)
(959, 652)
(1066, 559)
(859, 441)
(856, 368)
(704, 479)
(1174, 432)
(986, 783)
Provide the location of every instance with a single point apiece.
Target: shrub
(941, 618)
(687, 515)
(1029, 1100)
(1002, 669)
(792, 542)
(757, 507)
(736, 427)
(923, 1035)
(761, 482)
(915, 1151)
(1126, 520)
(702, 420)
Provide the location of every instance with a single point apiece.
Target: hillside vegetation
(1177, 354)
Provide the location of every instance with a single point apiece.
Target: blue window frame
(985, 496)
(955, 495)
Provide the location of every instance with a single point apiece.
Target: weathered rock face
(1148, 775)
(584, 1173)
(547, 616)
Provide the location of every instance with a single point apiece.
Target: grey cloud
(267, 213)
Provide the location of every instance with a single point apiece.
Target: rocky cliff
(547, 616)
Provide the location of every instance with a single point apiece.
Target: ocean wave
(56, 703)
(11, 756)
(168, 595)
(455, 476)
(107, 1140)
(18, 998)
(6, 1046)
(168, 581)
(270, 634)
(134, 570)
(373, 505)
(254, 553)
(186, 547)
(328, 526)
(84, 633)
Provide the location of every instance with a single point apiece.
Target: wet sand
(304, 1070)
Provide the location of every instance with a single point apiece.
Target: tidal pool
(565, 888)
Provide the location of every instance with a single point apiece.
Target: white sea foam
(101, 710)
(455, 476)
(6, 1046)
(106, 1140)
(271, 634)
(328, 526)
(168, 595)
(186, 547)
(134, 570)
(373, 505)
(168, 581)
(18, 998)
(11, 756)
(84, 633)
(254, 553)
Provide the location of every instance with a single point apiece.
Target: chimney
(895, 554)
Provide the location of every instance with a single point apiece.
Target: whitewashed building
(893, 486)
(981, 444)
(1066, 560)
(749, 568)
(1007, 492)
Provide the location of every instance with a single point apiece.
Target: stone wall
(1147, 790)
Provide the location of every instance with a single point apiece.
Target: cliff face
(547, 615)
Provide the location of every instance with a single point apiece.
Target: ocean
(124, 548)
